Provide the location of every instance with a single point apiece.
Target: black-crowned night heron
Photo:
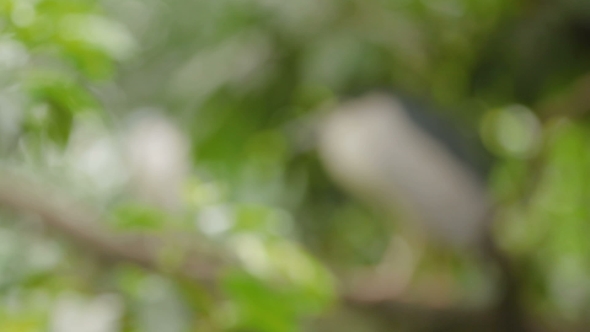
(372, 148)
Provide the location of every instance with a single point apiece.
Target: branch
(380, 290)
(83, 226)
(418, 317)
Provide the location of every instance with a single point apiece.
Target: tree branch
(83, 226)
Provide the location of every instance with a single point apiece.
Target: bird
(379, 148)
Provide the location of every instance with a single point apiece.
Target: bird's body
(375, 150)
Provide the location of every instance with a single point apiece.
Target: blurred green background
(194, 118)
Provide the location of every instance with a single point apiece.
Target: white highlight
(157, 153)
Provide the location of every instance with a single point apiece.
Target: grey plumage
(372, 149)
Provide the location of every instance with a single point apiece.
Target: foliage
(242, 83)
